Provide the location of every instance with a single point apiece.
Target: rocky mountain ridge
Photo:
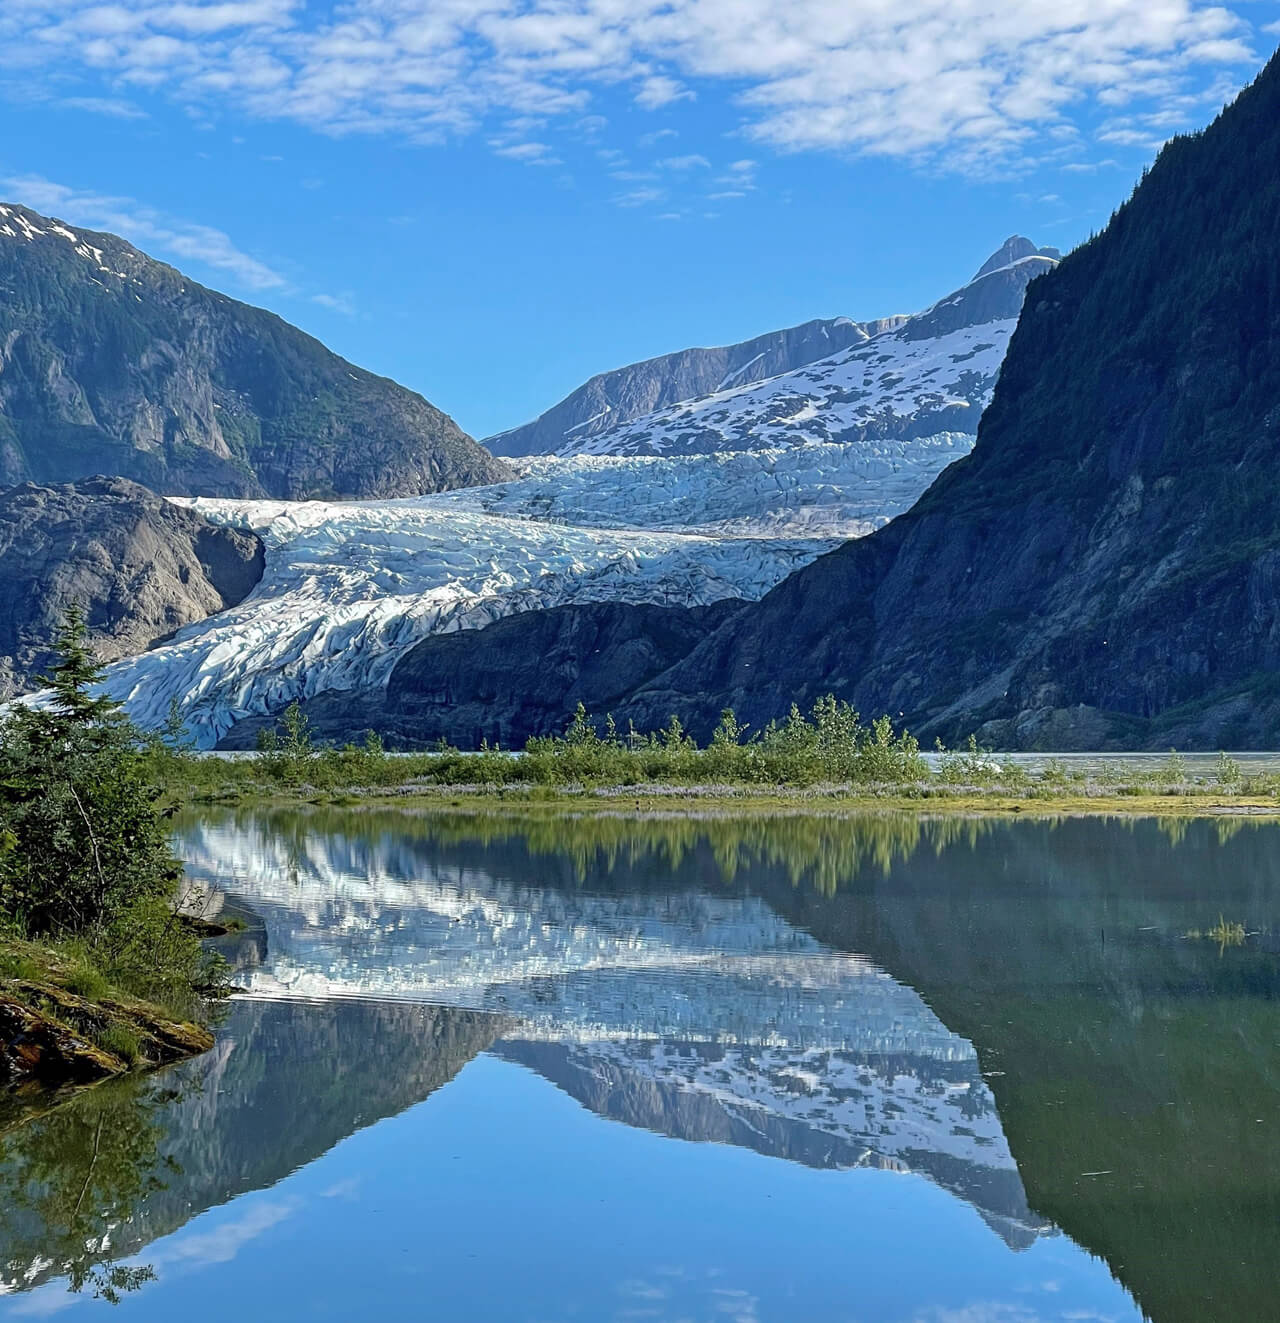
(909, 378)
(111, 362)
(613, 398)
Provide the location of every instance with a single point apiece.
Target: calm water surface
(870, 1070)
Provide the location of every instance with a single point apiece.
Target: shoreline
(60, 1028)
(718, 801)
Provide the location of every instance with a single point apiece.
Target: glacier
(719, 497)
(350, 586)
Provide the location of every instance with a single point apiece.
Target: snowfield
(882, 388)
(349, 587)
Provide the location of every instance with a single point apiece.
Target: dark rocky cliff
(534, 669)
(138, 565)
(1104, 569)
(111, 362)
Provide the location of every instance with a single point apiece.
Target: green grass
(121, 1041)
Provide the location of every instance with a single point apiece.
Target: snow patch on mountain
(16, 224)
(877, 386)
(912, 377)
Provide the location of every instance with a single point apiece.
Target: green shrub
(85, 859)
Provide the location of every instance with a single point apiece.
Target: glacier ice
(350, 586)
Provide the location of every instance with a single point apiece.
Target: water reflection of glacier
(703, 1015)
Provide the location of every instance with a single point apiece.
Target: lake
(872, 1069)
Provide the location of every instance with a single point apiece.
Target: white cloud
(639, 197)
(112, 107)
(336, 303)
(658, 90)
(142, 225)
(957, 84)
(530, 153)
(693, 162)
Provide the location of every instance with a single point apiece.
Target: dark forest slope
(1105, 567)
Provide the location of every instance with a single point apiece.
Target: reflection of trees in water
(70, 1176)
(822, 849)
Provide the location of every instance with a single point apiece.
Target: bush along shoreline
(101, 970)
(827, 755)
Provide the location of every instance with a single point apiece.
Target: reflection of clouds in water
(689, 1295)
(44, 1302)
(221, 1244)
(995, 1311)
(180, 1254)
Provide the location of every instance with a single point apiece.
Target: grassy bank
(100, 968)
(825, 761)
(64, 1021)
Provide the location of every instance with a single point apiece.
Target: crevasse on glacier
(350, 586)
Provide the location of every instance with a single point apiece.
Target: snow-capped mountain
(749, 488)
(613, 398)
(931, 373)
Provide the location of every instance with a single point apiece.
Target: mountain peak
(1015, 249)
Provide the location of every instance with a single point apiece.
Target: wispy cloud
(342, 303)
(144, 226)
(639, 197)
(112, 107)
(954, 84)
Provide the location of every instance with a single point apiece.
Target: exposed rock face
(48, 1035)
(111, 362)
(139, 566)
(513, 681)
(527, 678)
(617, 397)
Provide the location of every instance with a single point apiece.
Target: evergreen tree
(77, 673)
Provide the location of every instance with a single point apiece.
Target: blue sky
(490, 200)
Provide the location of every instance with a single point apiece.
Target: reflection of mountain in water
(820, 1108)
(285, 1083)
(705, 1016)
